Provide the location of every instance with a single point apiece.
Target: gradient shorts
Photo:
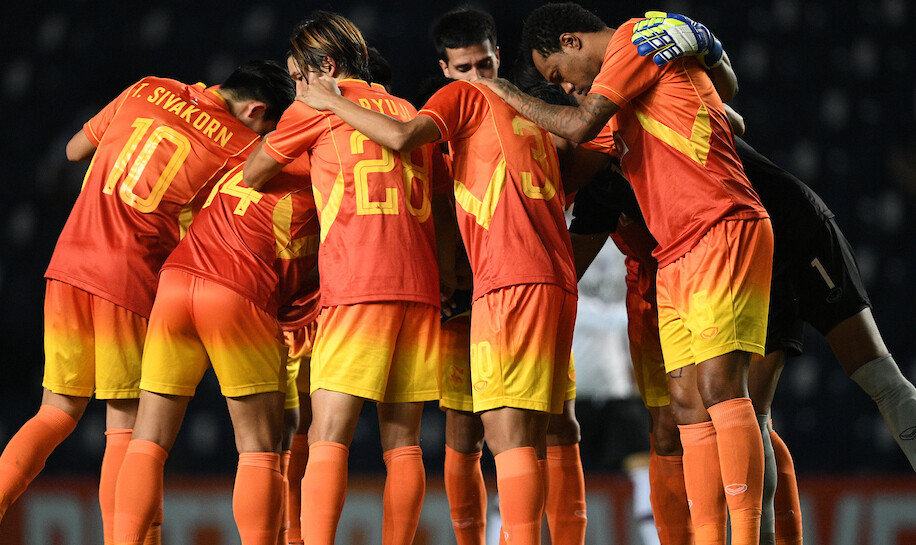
(91, 345)
(715, 299)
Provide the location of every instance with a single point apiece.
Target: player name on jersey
(172, 103)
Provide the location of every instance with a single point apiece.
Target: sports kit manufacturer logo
(908, 434)
(735, 489)
(709, 332)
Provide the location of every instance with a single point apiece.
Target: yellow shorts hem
(716, 351)
(570, 394)
(167, 389)
(131, 393)
(62, 389)
(514, 403)
(251, 389)
(464, 405)
(659, 401)
(290, 404)
(375, 395)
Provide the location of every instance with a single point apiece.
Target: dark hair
(462, 27)
(552, 94)
(428, 88)
(379, 69)
(265, 81)
(547, 23)
(326, 34)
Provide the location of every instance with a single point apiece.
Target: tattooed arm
(578, 124)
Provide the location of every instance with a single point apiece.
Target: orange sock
(138, 494)
(405, 487)
(788, 508)
(283, 537)
(257, 497)
(703, 483)
(669, 499)
(25, 455)
(325, 484)
(565, 495)
(154, 532)
(741, 460)
(116, 440)
(544, 475)
(298, 457)
(467, 496)
(521, 495)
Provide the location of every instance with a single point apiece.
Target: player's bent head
(379, 69)
(428, 88)
(544, 26)
(465, 40)
(331, 44)
(264, 81)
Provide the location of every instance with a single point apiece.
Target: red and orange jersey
(374, 204)
(675, 145)
(508, 190)
(159, 143)
(261, 244)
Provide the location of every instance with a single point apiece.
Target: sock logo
(735, 489)
(908, 434)
(689, 504)
(462, 523)
(580, 513)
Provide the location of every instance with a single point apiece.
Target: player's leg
(257, 499)
(668, 492)
(69, 382)
(464, 484)
(412, 380)
(521, 341)
(405, 483)
(565, 502)
(786, 503)
(300, 344)
(763, 375)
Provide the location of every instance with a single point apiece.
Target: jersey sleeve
(603, 143)
(95, 128)
(624, 73)
(298, 130)
(454, 110)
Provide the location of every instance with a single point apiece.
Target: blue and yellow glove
(668, 36)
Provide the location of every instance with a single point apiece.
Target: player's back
(261, 244)
(374, 204)
(508, 190)
(159, 143)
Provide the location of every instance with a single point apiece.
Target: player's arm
(260, 167)
(668, 36)
(580, 166)
(447, 241)
(575, 123)
(585, 249)
(736, 120)
(80, 148)
(323, 94)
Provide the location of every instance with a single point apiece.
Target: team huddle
(319, 242)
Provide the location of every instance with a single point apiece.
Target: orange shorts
(714, 300)
(646, 350)
(300, 344)
(91, 345)
(196, 323)
(521, 341)
(383, 351)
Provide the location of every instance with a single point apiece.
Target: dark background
(827, 89)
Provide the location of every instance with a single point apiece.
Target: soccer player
(465, 40)
(676, 149)
(510, 205)
(217, 305)
(377, 335)
(152, 148)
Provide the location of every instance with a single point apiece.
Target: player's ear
(329, 66)
(444, 66)
(255, 110)
(570, 40)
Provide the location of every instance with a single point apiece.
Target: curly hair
(547, 23)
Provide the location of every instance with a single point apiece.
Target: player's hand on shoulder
(668, 36)
(320, 93)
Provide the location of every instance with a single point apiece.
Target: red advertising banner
(837, 510)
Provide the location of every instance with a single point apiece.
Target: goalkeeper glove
(668, 36)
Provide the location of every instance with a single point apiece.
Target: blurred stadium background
(828, 90)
